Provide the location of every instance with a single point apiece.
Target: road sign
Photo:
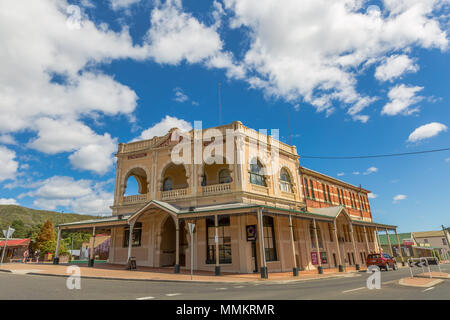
(8, 233)
(417, 263)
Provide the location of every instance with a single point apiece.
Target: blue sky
(353, 78)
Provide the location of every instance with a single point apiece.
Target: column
(130, 244)
(91, 252)
(357, 266)
(367, 240)
(389, 242)
(216, 241)
(316, 238)
(377, 240)
(58, 242)
(341, 268)
(177, 246)
(261, 244)
(291, 227)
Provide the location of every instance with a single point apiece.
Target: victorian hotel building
(252, 212)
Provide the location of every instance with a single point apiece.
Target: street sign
(417, 263)
(191, 228)
(8, 233)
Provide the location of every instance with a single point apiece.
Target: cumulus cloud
(340, 174)
(402, 98)
(427, 131)
(395, 66)
(399, 197)
(180, 96)
(91, 151)
(372, 195)
(122, 4)
(314, 51)
(370, 170)
(80, 196)
(52, 53)
(9, 165)
(162, 127)
(8, 201)
(7, 139)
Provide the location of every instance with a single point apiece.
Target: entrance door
(254, 259)
(168, 244)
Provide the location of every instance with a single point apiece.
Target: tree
(20, 230)
(46, 234)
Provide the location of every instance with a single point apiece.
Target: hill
(33, 219)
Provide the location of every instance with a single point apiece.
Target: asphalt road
(15, 286)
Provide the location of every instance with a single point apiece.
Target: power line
(375, 156)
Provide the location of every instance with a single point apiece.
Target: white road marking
(353, 289)
(173, 294)
(238, 287)
(428, 289)
(221, 288)
(145, 298)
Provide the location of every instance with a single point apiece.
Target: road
(15, 286)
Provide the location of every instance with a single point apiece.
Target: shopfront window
(269, 239)
(136, 237)
(224, 239)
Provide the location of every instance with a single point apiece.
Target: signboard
(8, 233)
(251, 232)
(315, 260)
(408, 242)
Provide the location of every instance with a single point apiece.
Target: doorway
(168, 243)
(254, 258)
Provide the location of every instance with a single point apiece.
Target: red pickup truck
(383, 261)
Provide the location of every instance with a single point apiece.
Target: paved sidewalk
(117, 272)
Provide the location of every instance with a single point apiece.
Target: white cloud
(394, 66)
(7, 139)
(53, 60)
(356, 172)
(180, 96)
(162, 127)
(87, 4)
(399, 197)
(402, 98)
(8, 201)
(371, 170)
(91, 151)
(372, 195)
(79, 196)
(122, 4)
(176, 35)
(314, 51)
(8, 167)
(427, 131)
(340, 174)
(447, 160)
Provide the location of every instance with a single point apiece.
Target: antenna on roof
(220, 103)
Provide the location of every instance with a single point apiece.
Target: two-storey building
(254, 208)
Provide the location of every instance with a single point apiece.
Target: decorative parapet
(138, 198)
(216, 188)
(173, 194)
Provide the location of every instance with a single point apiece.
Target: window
(444, 241)
(324, 192)
(224, 176)
(167, 184)
(330, 231)
(256, 174)
(269, 239)
(306, 187)
(312, 188)
(136, 237)
(224, 240)
(313, 236)
(329, 195)
(339, 196)
(285, 181)
(425, 240)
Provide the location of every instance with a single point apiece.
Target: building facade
(254, 208)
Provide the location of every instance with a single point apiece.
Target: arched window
(256, 174)
(224, 176)
(168, 184)
(285, 181)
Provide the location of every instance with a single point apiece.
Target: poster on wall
(323, 257)
(251, 232)
(314, 259)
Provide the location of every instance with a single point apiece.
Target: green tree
(20, 230)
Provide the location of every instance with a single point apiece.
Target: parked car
(383, 261)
